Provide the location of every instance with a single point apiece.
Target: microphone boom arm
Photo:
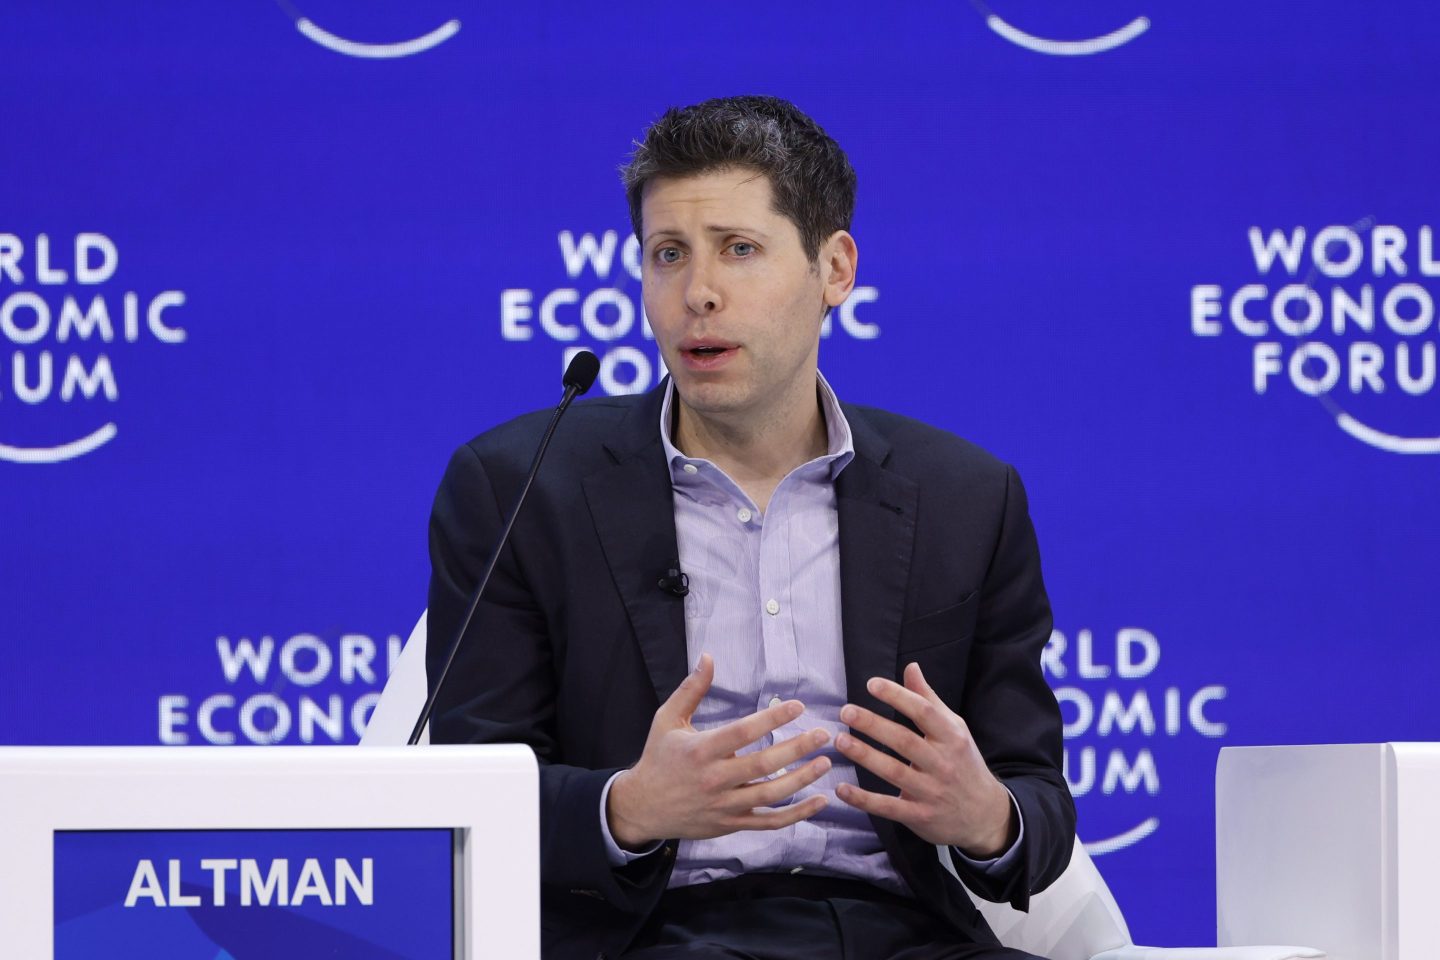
(574, 386)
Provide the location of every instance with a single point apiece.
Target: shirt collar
(840, 444)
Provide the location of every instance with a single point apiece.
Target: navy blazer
(575, 646)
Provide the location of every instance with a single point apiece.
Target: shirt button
(796, 869)
(690, 468)
(776, 701)
(744, 514)
(772, 607)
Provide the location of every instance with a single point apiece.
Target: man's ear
(838, 260)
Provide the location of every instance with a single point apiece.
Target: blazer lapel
(877, 512)
(631, 504)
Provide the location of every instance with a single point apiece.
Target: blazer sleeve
(502, 688)
(1012, 712)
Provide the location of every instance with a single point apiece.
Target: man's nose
(701, 293)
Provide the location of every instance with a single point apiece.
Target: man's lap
(801, 928)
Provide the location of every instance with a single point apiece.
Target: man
(776, 655)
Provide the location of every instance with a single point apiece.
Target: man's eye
(667, 255)
(742, 249)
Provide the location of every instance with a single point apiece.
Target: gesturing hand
(690, 784)
(947, 793)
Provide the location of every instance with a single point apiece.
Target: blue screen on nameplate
(263, 894)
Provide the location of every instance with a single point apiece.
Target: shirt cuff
(613, 852)
(995, 866)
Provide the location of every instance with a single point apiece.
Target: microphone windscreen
(582, 370)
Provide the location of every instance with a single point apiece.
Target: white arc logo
(370, 51)
(1063, 48)
(65, 451)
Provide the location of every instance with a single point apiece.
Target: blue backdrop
(261, 269)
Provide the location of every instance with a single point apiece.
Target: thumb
(686, 699)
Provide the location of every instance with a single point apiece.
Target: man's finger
(682, 704)
(726, 740)
(933, 719)
(902, 740)
(884, 766)
(762, 763)
(764, 819)
(915, 680)
(767, 793)
(880, 804)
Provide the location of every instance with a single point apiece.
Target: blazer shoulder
(581, 436)
(921, 448)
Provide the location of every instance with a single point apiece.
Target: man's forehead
(720, 200)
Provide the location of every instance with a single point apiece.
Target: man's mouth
(702, 347)
(707, 355)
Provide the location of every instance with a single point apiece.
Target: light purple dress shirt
(764, 602)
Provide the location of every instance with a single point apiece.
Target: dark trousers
(783, 917)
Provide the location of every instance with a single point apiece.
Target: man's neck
(756, 453)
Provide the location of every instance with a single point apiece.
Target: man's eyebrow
(749, 230)
(716, 228)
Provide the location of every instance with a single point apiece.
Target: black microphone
(579, 375)
(674, 582)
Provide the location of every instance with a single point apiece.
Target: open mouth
(707, 356)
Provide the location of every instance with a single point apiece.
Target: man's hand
(947, 793)
(690, 784)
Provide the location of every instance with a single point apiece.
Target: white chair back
(404, 694)
(1075, 918)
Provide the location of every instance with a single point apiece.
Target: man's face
(734, 302)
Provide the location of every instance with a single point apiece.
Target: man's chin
(711, 399)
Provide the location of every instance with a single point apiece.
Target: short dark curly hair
(810, 176)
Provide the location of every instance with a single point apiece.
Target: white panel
(1298, 848)
(491, 791)
(1414, 782)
